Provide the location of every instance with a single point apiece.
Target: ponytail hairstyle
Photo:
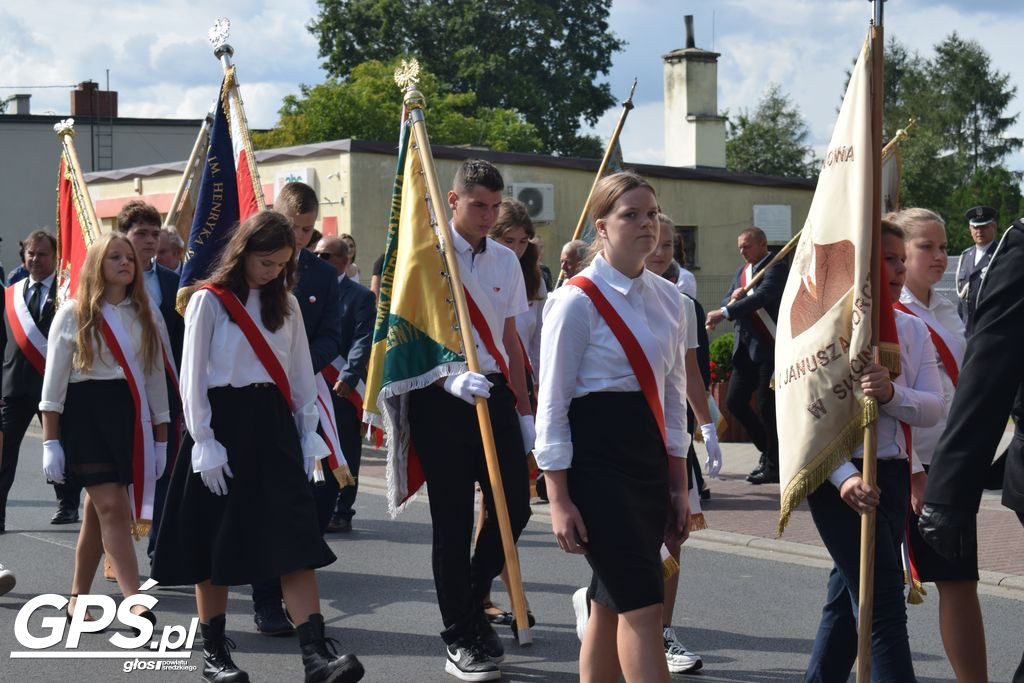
(262, 233)
(89, 305)
(513, 214)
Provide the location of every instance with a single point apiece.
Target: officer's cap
(980, 215)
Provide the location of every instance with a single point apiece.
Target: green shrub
(721, 358)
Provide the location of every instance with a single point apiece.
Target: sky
(161, 64)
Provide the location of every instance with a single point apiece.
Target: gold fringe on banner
(889, 356)
(669, 567)
(141, 528)
(870, 413)
(344, 476)
(697, 522)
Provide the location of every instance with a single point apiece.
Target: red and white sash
(27, 335)
(143, 454)
(273, 366)
(762, 321)
(640, 362)
(329, 423)
(481, 313)
(949, 363)
(332, 373)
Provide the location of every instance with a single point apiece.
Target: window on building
(686, 246)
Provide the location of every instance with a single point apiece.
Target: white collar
(907, 297)
(47, 281)
(462, 245)
(617, 280)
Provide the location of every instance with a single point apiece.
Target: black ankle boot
(217, 664)
(323, 666)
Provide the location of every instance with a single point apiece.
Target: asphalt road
(751, 614)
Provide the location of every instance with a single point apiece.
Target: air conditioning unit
(539, 199)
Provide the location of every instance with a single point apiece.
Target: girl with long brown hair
(98, 430)
(249, 397)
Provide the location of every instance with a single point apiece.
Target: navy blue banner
(216, 205)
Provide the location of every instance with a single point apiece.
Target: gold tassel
(141, 528)
(722, 427)
(915, 596)
(889, 356)
(669, 567)
(344, 476)
(697, 522)
(870, 413)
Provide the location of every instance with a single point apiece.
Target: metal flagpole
(414, 103)
(626, 106)
(865, 601)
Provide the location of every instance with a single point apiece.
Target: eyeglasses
(325, 255)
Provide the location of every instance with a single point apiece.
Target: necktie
(34, 300)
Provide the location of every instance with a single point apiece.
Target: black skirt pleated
(97, 429)
(266, 525)
(619, 483)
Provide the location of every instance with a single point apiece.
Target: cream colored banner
(824, 323)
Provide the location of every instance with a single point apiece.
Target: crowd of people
(245, 412)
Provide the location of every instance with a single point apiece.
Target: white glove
(529, 431)
(467, 386)
(214, 479)
(310, 466)
(714, 461)
(160, 459)
(53, 461)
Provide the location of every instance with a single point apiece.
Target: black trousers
(17, 414)
(446, 435)
(835, 646)
(749, 376)
(349, 431)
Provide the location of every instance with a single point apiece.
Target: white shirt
(979, 252)
(152, 281)
(941, 316)
(46, 282)
(687, 283)
(690, 336)
(217, 354)
(916, 400)
(529, 324)
(581, 355)
(500, 278)
(62, 344)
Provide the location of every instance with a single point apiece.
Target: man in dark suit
(22, 373)
(317, 293)
(753, 351)
(973, 263)
(990, 383)
(140, 223)
(347, 373)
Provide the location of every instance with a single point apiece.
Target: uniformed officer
(974, 261)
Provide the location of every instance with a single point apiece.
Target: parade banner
(76, 229)
(415, 339)
(824, 323)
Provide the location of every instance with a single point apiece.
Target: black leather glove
(951, 532)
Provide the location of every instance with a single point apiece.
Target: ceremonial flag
(415, 339)
(229, 190)
(824, 323)
(75, 232)
(892, 167)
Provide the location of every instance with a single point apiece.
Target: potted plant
(721, 373)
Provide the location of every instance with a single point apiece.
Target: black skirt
(266, 525)
(619, 483)
(932, 566)
(97, 432)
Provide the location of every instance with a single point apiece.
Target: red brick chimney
(88, 100)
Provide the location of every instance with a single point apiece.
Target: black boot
(323, 666)
(217, 664)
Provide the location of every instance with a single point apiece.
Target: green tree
(366, 106)
(772, 140)
(955, 157)
(538, 57)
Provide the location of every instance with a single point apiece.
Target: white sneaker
(581, 606)
(7, 580)
(680, 660)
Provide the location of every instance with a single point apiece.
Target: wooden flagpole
(414, 104)
(191, 168)
(626, 107)
(865, 602)
(65, 130)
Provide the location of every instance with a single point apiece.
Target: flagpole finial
(64, 127)
(218, 35)
(407, 77)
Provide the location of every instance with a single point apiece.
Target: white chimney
(694, 132)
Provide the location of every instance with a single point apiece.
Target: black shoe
(321, 665)
(488, 641)
(705, 493)
(272, 622)
(64, 516)
(766, 476)
(3, 528)
(339, 525)
(467, 662)
(217, 664)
